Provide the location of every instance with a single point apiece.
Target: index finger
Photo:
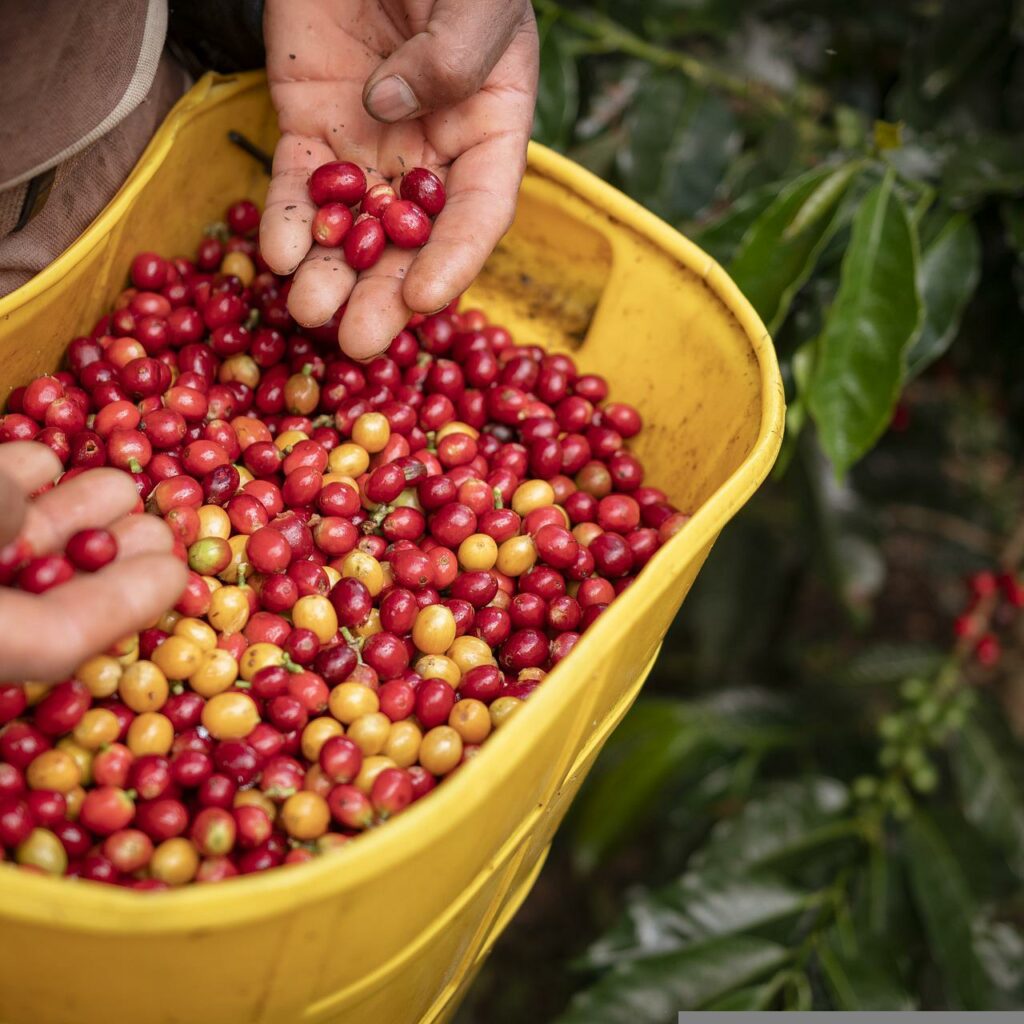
(482, 188)
(285, 236)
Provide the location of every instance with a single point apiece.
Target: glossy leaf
(753, 997)
(769, 267)
(680, 140)
(557, 91)
(787, 820)
(859, 975)
(657, 740)
(946, 907)
(984, 166)
(722, 237)
(655, 990)
(950, 271)
(698, 908)
(990, 777)
(875, 318)
(661, 741)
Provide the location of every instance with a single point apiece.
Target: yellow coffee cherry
(468, 652)
(100, 675)
(230, 572)
(349, 701)
(365, 568)
(238, 264)
(216, 673)
(168, 621)
(504, 709)
(316, 613)
(143, 685)
(437, 666)
(126, 650)
(305, 815)
(53, 769)
(403, 743)
(174, 861)
(256, 798)
(471, 720)
(73, 799)
(349, 459)
(177, 657)
(200, 633)
(258, 656)
(370, 733)
(317, 733)
(371, 431)
(241, 368)
(456, 427)
(532, 494)
(372, 767)
(478, 552)
(229, 610)
(370, 626)
(289, 438)
(230, 716)
(434, 629)
(214, 522)
(80, 755)
(150, 733)
(96, 728)
(516, 555)
(43, 850)
(441, 750)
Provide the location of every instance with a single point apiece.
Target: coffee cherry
(424, 188)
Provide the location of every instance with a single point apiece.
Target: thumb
(447, 61)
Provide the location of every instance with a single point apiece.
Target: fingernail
(391, 99)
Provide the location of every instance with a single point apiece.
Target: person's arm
(46, 636)
(390, 85)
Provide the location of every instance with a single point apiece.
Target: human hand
(46, 636)
(391, 85)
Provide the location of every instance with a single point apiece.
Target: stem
(610, 36)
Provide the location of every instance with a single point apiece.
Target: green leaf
(771, 268)
(784, 821)
(557, 92)
(698, 908)
(822, 200)
(1000, 949)
(860, 976)
(655, 990)
(661, 741)
(680, 142)
(658, 740)
(990, 777)
(946, 907)
(721, 238)
(989, 165)
(950, 271)
(753, 997)
(873, 321)
(884, 664)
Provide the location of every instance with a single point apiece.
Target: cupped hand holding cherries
(448, 86)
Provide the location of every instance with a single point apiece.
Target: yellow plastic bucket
(392, 928)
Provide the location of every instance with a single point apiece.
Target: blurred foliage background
(817, 802)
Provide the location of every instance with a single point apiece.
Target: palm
(319, 56)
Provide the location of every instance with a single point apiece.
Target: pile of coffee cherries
(338, 188)
(385, 561)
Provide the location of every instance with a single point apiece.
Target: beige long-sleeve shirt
(83, 86)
